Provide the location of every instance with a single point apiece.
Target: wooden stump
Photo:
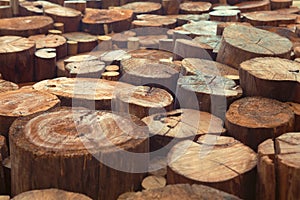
(272, 78)
(4, 187)
(143, 8)
(86, 42)
(100, 22)
(104, 43)
(201, 28)
(5, 12)
(222, 26)
(153, 182)
(252, 6)
(41, 150)
(296, 108)
(185, 19)
(170, 7)
(208, 93)
(24, 102)
(87, 69)
(120, 39)
(167, 129)
(111, 76)
(179, 191)
(85, 92)
(77, 5)
(143, 101)
(269, 18)
(279, 4)
(150, 20)
(255, 119)
(216, 161)
(70, 17)
(51, 41)
(225, 15)
(248, 42)
(45, 64)
(50, 194)
(17, 59)
(25, 26)
(7, 86)
(151, 54)
(150, 41)
(213, 41)
(194, 7)
(114, 57)
(29, 8)
(72, 47)
(94, 4)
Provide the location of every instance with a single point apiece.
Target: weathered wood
(185, 19)
(255, 119)
(86, 69)
(55, 32)
(94, 4)
(296, 109)
(77, 5)
(99, 22)
(111, 76)
(6, 12)
(51, 41)
(120, 39)
(201, 28)
(211, 40)
(179, 191)
(72, 47)
(59, 26)
(17, 59)
(143, 8)
(114, 57)
(170, 7)
(104, 43)
(50, 194)
(151, 41)
(248, 42)
(222, 26)
(279, 4)
(151, 54)
(194, 7)
(39, 143)
(85, 92)
(269, 18)
(112, 68)
(133, 43)
(232, 162)
(251, 6)
(151, 20)
(157, 165)
(86, 42)
(272, 78)
(7, 86)
(28, 8)
(153, 182)
(45, 64)
(25, 26)
(70, 17)
(225, 15)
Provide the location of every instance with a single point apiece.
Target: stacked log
(45, 64)
(87, 69)
(4, 186)
(143, 8)
(151, 20)
(86, 42)
(269, 18)
(296, 108)
(194, 7)
(7, 86)
(252, 6)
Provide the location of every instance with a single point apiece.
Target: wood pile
(160, 99)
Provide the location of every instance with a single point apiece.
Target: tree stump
(194, 66)
(24, 102)
(138, 71)
(222, 26)
(51, 41)
(269, 77)
(216, 161)
(29, 8)
(153, 182)
(252, 6)
(25, 26)
(194, 7)
(5, 12)
(86, 42)
(70, 17)
(201, 28)
(120, 39)
(179, 191)
(211, 40)
(3, 155)
(170, 7)
(7, 86)
(86, 69)
(167, 129)
(94, 4)
(17, 59)
(279, 4)
(77, 5)
(225, 15)
(45, 64)
(269, 18)
(100, 22)
(143, 101)
(150, 20)
(143, 8)
(114, 57)
(296, 108)
(248, 42)
(151, 54)
(252, 120)
(150, 41)
(111, 76)
(95, 94)
(208, 93)
(50, 194)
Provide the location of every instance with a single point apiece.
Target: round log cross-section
(7, 86)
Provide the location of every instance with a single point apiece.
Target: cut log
(179, 191)
(59, 26)
(86, 42)
(120, 39)
(185, 19)
(45, 64)
(166, 45)
(112, 68)
(252, 6)
(85, 92)
(201, 28)
(225, 15)
(280, 4)
(94, 4)
(272, 78)
(111, 76)
(269, 18)
(23, 102)
(17, 59)
(104, 43)
(70, 17)
(133, 43)
(3, 148)
(54, 32)
(170, 7)
(150, 41)
(143, 8)
(150, 20)
(194, 66)
(63, 142)
(143, 101)
(153, 182)
(114, 57)
(296, 108)
(50, 194)
(222, 26)
(252, 120)
(158, 165)
(211, 40)
(167, 129)
(216, 161)
(151, 54)
(72, 47)
(194, 7)
(77, 5)
(107, 4)
(100, 22)
(25, 26)
(208, 93)
(51, 41)
(7, 86)
(225, 7)
(86, 69)
(6, 12)
(29, 8)
(248, 42)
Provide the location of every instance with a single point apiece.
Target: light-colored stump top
(224, 13)
(14, 44)
(201, 28)
(295, 107)
(47, 53)
(80, 37)
(259, 112)
(80, 58)
(273, 69)
(50, 194)
(102, 16)
(288, 149)
(83, 88)
(195, 7)
(145, 96)
(256, 40)
(151, 54)
(269, 16)
(48, 41)
(25, 102)
(211, 159)
(7, 86)
(152, 182)
(225, 7)
(142, 7)
(183, 123)
(92, 66)
(252, 5)
(63, 12)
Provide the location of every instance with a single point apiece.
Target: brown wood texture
(151, 20)
(255, 119)
(153, 182)
(86, 92)
(45, 64)
(251, 6)
(121, 39)
(28, 8)
(4, 187)
(217, 161)
(248, 42)
(86, 69)
(222, 26)
(111, 76)
(5, 11)
(51, 41)
(279, 4)
(269, 18)
(143, 7)
(194, 7)
(55, 147)
(170, 7)
(86, 42)
(225, 15)
(151, 54)
(17, 59)
(25, 26)
(7, 86)
(296, 108)
(77, 5)
(201, 28)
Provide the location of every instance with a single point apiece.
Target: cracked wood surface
(7, 86)
(194, 7)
